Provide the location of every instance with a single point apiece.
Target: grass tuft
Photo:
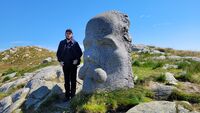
(180, 95)
(116, 100)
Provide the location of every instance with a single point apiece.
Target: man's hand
(62, 63)
(75, 62)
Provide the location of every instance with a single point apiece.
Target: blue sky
(164, 23)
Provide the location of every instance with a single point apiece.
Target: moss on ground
(119, 100)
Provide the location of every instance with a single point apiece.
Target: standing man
(69, 55)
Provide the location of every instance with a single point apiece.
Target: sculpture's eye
(106, 43)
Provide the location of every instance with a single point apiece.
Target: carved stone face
(107, 63)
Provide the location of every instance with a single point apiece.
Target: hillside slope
(21, 57)
(162, 77)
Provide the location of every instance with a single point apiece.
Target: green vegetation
(184, 77)
(2, 95)
(161, 78)
(147, 69)
(32, 69)
(23, 57)
(179, 52)
(120, 100)
(9, 71)
(192, 71)
(25, 70)
(6, 79)
(185, 105)
(136, 63)
(180, 95)
(143, 66)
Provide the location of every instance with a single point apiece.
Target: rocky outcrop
(18, 99)
(23, 80)
(159, 58)
(160, 107)
(170, 66)
(40, 86)
(107, 61)
(140, 48)
(47, 60)
(162, 92)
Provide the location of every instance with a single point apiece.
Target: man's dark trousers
(70, 80)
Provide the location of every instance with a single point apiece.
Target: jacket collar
(72, 40)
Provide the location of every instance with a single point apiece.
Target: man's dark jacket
(67, 52)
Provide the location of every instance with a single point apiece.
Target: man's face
(68, 35)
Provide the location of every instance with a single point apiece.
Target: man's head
(68, 34)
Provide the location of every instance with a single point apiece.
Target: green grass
(180, 95)
(118, 100)
(136, 63)
(184, 78)
(178, 52)
(9, 71)
(147, 69)
(19, 60)
(157, 65)
(192, 69)
(161, 78)
(2, 95)
(6, 79)
(32, 69)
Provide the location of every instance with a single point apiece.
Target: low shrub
(115, 101)
(6, 79)
(157, 65)
(136, 63)
(9, 71)
(184, 77)
(180, 95)
(161, 78)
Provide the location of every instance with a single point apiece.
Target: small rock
(156, 52)
(170, 79)
(13, 50)
(11, 75)
(19, 94)
(169, 66)
(174, 57)
(6, 57)
(47, 60)
(135, 78)
(159, 58)
(161, 91)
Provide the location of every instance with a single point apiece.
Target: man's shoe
(66, 99)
